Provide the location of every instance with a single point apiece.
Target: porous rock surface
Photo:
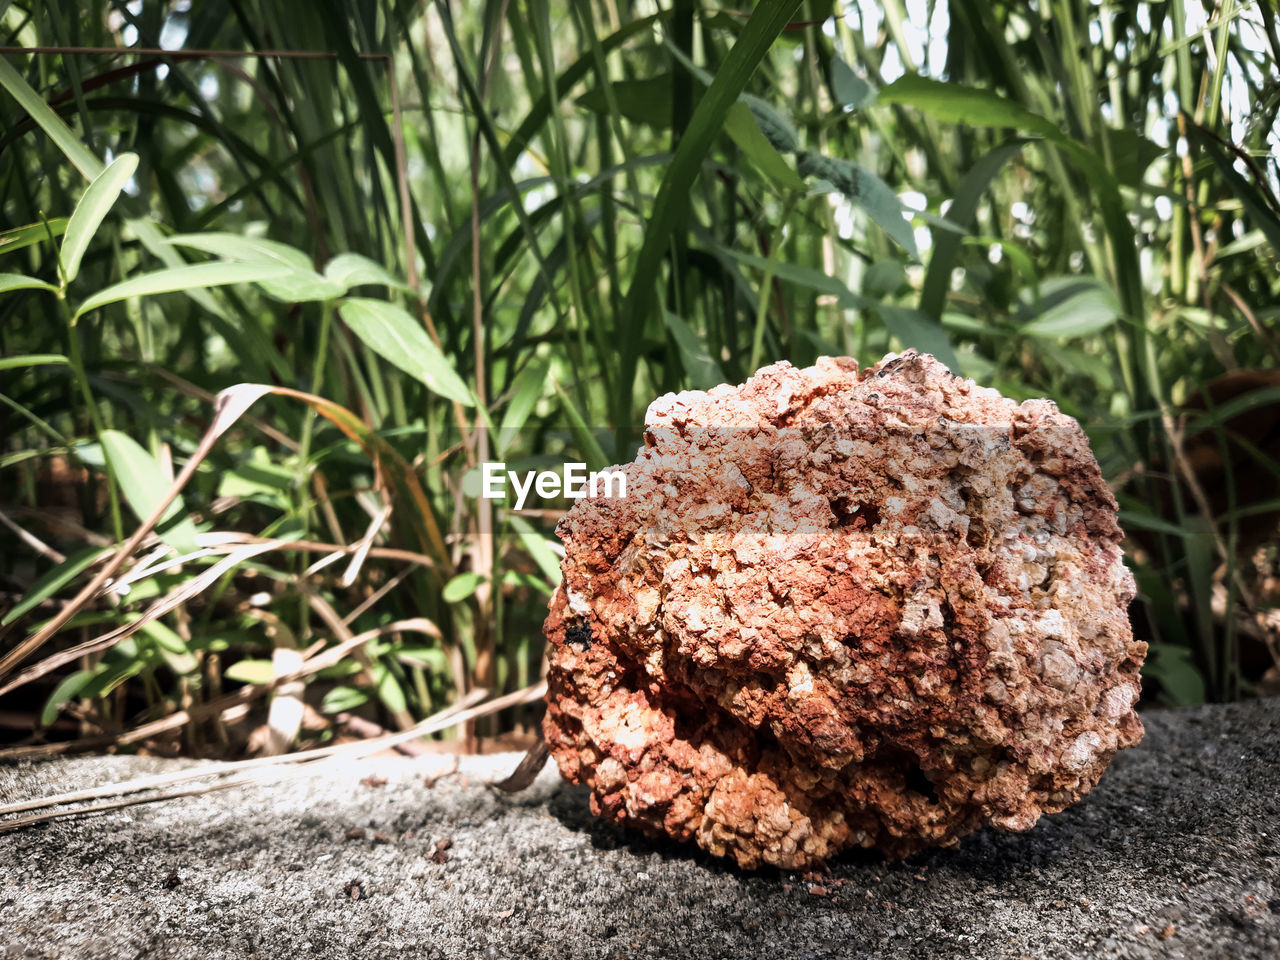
(836, 610)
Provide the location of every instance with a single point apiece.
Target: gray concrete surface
(1175, 854)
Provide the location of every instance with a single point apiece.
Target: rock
(841, 611)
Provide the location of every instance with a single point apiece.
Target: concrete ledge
(1175, 854)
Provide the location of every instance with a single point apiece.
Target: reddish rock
(839, 610)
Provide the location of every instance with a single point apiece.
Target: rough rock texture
(838, 610)
(1175, 856)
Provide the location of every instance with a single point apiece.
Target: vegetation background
(440, 233)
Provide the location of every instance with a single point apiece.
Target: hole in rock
(917, 782)
(859, 516)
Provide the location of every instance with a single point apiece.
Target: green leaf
(865, 190)
(394, 335)
(299, 284)
(341, 699)
(701, 369)
(964, 207)
(1177, 673)
(647, 100)
(234, 246)
(1148, 521)
(433, 658)
(389, 690)
(768, 19)
(172, 647)
(884, 278)
(79, 155)
(1072, 307)
(258, 476)
(92, 209)
(54, 580)
(528, 389)
(588, 447)
(175, 279)
(548, 560)
(954, 103)
(20, 237)
(16, 281)
(144, 485)
(33, 360)
(348, 270)
(923, 333)
(255, 672)
(461, 587)
(67, 689)
(741, 125)
(849, 89)
(775, 125)
(1130, 153)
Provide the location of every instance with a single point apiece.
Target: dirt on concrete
(1175, 854)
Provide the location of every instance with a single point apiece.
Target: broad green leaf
(394, 335)
(349, 270)
(174, 279)
(1072, 307)
(1130, 154)
(20, 237)
(1177, 673)
(79, 155)
(299, 284)
(774, 124)
(90, 167)
(144, 485)
(255, 672)
(16, 281)
(433, 658)
(647, 100)
(389, 690)
(954, 103)
(54, 580)
(258, 476)
(92, 209)
(865, 190)
(234, 246)
(699, 366)
(884, 278)
(528, 388)
(67, 689)
(741, 125)
(33, 360)
(172, 647)
(849, 89)
(461, 587)
(341, 699)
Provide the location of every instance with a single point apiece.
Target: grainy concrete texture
(1175, 854)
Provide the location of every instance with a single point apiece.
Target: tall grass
(470, 232)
